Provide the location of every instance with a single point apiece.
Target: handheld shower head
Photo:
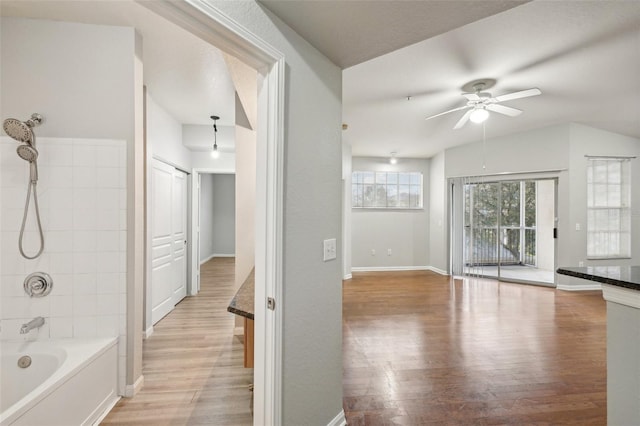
(30, 154)
(21, 130)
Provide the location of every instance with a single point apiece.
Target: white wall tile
(13, 197)
(84, 198)
(15, 307)
(107, 241)
(11, 219)
(106, 326)
(109, 262)
(107, 198)
(60, 198)
(84, 177)
(108, 304)
(84, 305)
(85, 284)
(60, 219)
(61, 263)
(83, 154)
(58, 241)
(84, 241)
(107, 156)
(41, 263)
(107, 283)
(60, 177)
(62, 306)
(84, 219)
(61, 328)
(62, 284)
(107, 177)
(84, 263)
(58, 155)
(12, 286)
(84, 326)
(107, 220)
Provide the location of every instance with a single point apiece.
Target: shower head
(28, 153)
(21, 130)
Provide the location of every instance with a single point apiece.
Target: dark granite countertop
(621, 276)
(242, 302)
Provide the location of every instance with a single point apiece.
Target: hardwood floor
(420, 348)
(192, 364)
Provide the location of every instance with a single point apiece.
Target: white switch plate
(329, 249)
(578, 227)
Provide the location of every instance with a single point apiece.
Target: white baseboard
(339, 420)
(395, 268)
(579, 287)
(217, 255)
(131, 390)
(147, 333)
(104, 409)
(438, 270)
(347, 277)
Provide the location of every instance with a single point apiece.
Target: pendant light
(214, 152)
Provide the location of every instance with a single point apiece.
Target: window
(386, 190)
(608, 208)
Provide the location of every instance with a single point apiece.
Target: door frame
(216, 28)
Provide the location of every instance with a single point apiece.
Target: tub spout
(37, 322)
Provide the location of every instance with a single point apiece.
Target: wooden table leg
(248, 343)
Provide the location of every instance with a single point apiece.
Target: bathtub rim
(70, 367)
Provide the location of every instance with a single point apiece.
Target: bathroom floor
(192, 364)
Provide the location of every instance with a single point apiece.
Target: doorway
(509, 229)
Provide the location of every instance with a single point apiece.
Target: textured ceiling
(584, 56)
(349, 32)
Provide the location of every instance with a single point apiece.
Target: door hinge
(271, 303)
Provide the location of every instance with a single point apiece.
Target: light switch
(329, 249)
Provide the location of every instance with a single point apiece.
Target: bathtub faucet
(37, 322)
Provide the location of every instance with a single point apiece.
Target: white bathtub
(69, 382)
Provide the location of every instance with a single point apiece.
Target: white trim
(347, 277)
(389, 268)
(105, 409)
(339, 420)
(148, 332)
(438, 270)
(621, 295)
(132, 390)
(217, 255)
(579, 287)
(211, 25)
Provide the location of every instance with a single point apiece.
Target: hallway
(192, 364)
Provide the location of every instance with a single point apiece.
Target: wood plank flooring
(420, 348)
(192, 364)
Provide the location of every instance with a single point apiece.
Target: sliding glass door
(508, 230)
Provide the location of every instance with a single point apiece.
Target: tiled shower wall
(82, 194)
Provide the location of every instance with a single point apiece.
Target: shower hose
(31, 187)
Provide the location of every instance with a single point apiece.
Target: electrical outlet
(581, 264)
(373, 252)
(388, 252)
(329, 249)
(578, 227)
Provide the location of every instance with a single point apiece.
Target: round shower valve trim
(38, 284)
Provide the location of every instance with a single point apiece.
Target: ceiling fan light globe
(479, 115)
(215, 153)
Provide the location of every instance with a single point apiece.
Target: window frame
(622, 208)
(411, 181)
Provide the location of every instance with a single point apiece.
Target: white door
(179, 236)
(161, 240)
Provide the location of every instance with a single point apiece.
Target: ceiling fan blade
(447, 112)
(463, 120)
(518, 95)
(471, 96)
(501, 109)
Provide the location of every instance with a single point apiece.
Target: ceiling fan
(479, 103)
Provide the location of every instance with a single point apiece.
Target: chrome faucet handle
(38, 284)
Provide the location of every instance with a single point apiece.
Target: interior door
(161, 240)
(179, 236)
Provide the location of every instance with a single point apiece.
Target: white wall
(206, 217)
(164, 136)
(562, 148)
(312, 290)
(346, 211)
(438, 215)
(82, 79)
(245, 205)
(404, 232)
